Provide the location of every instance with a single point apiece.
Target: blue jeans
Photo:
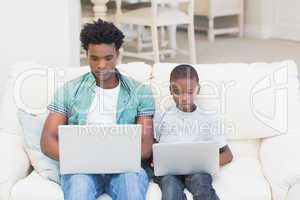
(127, 186)
(200, 185)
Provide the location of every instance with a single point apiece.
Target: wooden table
(100, 9)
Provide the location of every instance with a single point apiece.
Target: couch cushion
(245, 148)
(32, 130)
(254, 100)
(48, 190)
(34, 187)
(242, 179)
(294, 192)
(30, 87)
(281, 164)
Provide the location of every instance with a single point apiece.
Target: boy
(185, 122)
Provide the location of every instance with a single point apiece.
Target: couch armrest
(280, 158)
(294, 193)
(14, 163)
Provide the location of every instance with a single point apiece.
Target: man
(102, 96)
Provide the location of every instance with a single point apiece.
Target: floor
(233, 49)
(228, 48)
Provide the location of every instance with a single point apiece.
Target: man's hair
(184, 71)
(101, 32)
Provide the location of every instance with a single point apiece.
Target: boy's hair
(184, 71)
(101, 32)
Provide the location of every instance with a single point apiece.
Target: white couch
(259, 102)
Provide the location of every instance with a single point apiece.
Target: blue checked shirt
(76, 96)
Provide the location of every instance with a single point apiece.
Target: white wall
(258, 18)
(46, 32)
(286, 20)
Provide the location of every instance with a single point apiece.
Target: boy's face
(184, 92)
(102, 59)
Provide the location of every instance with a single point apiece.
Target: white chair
(162, 13)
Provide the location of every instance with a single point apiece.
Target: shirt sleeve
(146, 105)
(157, 121)
(217, 131)
(59, 102)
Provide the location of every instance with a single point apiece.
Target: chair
(161, 13)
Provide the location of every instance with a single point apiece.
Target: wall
(258, 18)
(46, 32)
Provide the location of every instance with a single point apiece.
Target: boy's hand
(151, 164)
(225, 155)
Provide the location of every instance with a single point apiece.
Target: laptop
(185, 158)
(99, 149)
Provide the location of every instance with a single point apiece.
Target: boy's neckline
(182, 111)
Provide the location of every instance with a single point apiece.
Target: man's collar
(92, 81)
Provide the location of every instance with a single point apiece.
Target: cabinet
(220, 8)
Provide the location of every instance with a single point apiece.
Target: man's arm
(147, 136)
(49, 139)
(225, 155)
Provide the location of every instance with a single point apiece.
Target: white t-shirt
(175, 125)
(103, 110)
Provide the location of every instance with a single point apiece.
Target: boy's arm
(225, 155)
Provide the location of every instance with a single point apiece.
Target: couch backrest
(253, 100)
(30, 87)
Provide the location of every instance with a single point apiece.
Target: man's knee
(78, 184)
(122, 185)
(138, 177)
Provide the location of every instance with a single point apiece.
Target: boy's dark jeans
(200, 185)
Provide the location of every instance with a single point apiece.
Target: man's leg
(82, 186)
(171, 187)
(128, 186)
(200, 185)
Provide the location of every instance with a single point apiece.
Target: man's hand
(225, 155)
(147, 136)
(49, 139)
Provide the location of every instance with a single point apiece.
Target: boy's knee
(170, 184)
(169, 180)
(201, 179)
(171, 188)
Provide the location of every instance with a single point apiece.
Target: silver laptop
(185, 158)
(98, 149)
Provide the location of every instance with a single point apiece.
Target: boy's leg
(128, 186)
(82, 186)
(171, 187)
(200, 185)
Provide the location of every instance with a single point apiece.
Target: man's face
(184, 92)
(102, 59)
